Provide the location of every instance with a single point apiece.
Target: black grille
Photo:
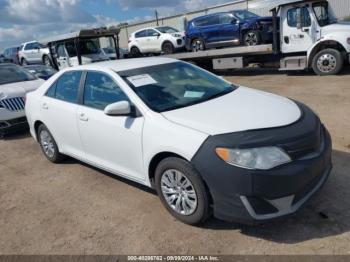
(13, 104)
(308, 144)
(179, 41)
(261, 206)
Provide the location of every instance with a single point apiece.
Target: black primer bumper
(250, 196)
(13, 125)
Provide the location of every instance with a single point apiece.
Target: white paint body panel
(125, 146)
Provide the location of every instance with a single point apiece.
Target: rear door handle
(83, 117)
(44, 106)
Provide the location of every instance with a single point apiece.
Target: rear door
(29, 52)
(36, 54)
(113, 143)
(141, 41)
(59, 110)
(297, 35)
(209, 27)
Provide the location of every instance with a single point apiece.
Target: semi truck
(305, 36)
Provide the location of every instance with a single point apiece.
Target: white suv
(34, 53)
(162, 39)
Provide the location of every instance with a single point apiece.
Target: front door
(113, 143)
(229, 30)
(298, 28)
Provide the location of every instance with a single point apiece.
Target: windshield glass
(109, 50)
(13, 74)
(244, 14)
(175, 85)
(167, 29)
(321, 13)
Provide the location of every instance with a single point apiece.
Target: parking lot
(73, 208)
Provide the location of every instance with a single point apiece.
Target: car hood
(241, 110)
(19, 89)
(335, 28)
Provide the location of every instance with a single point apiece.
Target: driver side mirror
(121, 108)
(234, 21)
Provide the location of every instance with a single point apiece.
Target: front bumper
(254, 196)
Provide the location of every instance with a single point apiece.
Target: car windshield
(13, 74)
(244, 15)
(41, 70)
(167, 29)
(321, 13)
(109, 50)
(175, 85)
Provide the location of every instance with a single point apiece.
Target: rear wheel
(168, 48)
(251, 38)
(328, 62)
(135, 52)
(48, 145)
(182, 191)
(24, 62)
(197, 45)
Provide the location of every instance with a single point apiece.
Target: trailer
(305, 36)
(81, 47)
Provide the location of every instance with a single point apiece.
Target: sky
(26, 20)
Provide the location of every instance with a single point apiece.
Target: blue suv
(239, 27)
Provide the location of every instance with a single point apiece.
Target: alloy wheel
(251, 39)
(47, 143)
(179, 192)
(197, 45)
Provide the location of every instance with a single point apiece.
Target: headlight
(255, 158)
(176, 35)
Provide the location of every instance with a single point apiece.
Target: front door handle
(44, 106)
(83, 117)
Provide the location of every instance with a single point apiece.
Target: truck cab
(313, 37)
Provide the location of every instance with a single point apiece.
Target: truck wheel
(46, 60)
(197, 45)
(168, 48)
(135, 52)
(182, 191)
(328, 62)
(48, 145)
(24, 62)
(251, 38)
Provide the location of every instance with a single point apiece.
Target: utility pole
(157, 17)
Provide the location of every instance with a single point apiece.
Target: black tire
(197, 45)
(252, 38)
(24, 62)
(201, 211)
(46, 60)
(135, 52)
(56, 156)
(328, 62)
(168, 48)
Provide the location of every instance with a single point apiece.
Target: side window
(52, 90)
(67, 86)
(213, 20)
(151, 32)
(305, 17)
(29, 46)
(70, 47)
(225, 18)
(101, 90)
(141, 34)
(61, 51)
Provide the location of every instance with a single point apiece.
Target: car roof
(125, 64)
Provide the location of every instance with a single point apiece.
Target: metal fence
(340, 8)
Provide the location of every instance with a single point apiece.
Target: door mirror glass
(121, 108)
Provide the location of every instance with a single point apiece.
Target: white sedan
(207, 146)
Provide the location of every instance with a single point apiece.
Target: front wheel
(252, 38)
(48, 145)
(197, 45)
(328, 62)
(182, 191)
(168, 48)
